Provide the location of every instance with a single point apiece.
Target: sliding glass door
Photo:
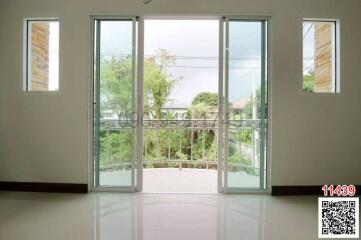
(115, 107)
(244, 104)
(240, 114)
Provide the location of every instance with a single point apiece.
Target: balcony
(181, 155)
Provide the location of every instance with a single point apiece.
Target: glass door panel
(245, 104)
(115, 106)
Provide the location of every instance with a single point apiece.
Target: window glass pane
(115, 130)
(319, 56)
(42, 55)
(246, 101)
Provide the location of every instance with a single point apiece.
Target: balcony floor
(168, 180)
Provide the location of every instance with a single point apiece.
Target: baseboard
(302, 190)
(44, 187)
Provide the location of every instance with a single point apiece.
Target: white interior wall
(316, 138)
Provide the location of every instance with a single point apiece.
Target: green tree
(204, 145)
(202, 105)
(308, 82)
(245, 135)
(158, 84)
(116, 86)
(115, 147)
(247, 109)
(206, 98)
(199, 111)
(116, 91)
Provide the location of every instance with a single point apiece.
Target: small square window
(42, 55)
(320, 62)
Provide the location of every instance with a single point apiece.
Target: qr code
(338, 217)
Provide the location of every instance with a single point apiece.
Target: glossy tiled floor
(105, 216)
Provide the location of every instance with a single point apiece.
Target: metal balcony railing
(165, 155)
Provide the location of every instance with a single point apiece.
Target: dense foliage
(308, 82)
(117, 92)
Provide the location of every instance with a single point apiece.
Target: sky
(308, 46)
(195, 46)
(198, 42)
(53, 55)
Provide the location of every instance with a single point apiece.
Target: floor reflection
(174, 216)
(108, 216)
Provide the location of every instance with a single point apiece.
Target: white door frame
(140, 105)
(138, 53)
(223, 107)
(136, 102)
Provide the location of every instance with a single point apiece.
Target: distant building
(175, 111)
(109, 115)
(169, 111)
(236, 107)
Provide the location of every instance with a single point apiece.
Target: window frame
(336, 79)
(137, 53)
(26, 55)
